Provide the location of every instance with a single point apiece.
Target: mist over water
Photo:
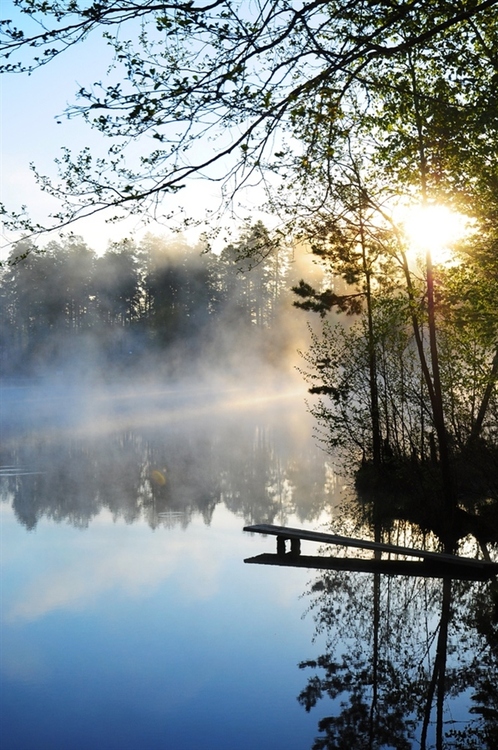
(164, 454)
(155, 312)
(143, 380)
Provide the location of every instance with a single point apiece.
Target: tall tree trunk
(438, 411)
(492, 379)
(372, 354)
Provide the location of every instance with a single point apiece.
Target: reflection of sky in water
(133, 622)
(123, 637)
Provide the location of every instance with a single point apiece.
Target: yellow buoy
(158, 478)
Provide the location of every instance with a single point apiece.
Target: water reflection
(409, 662)
(260, 468)
(128, 619)
(191, 644)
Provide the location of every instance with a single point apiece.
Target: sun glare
(435, 228)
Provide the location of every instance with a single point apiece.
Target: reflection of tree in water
(479, 634)
(163, 477)
(261, 482)
(254, 482)
(402, 654)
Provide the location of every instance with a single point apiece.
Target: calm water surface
(130, 621)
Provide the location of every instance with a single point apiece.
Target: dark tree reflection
(165, 476)
(408, 663)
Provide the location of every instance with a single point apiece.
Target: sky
(32, 131)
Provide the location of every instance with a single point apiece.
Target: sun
(434, 228)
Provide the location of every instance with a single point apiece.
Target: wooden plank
(423, 569)
(284, 532)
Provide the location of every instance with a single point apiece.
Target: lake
(130, 619)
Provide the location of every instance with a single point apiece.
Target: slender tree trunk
(493, 377)
(438, 411)
(374, 392)
(372, 356)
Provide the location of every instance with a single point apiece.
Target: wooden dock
(429, 564)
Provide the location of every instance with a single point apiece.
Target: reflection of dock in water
(429, 565)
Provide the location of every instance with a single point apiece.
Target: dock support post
(295, 547)
(281, 545)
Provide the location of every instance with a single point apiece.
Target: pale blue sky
(31, 131)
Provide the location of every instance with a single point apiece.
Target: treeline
(69, 307)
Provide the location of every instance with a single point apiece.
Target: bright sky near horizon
(32, 131)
